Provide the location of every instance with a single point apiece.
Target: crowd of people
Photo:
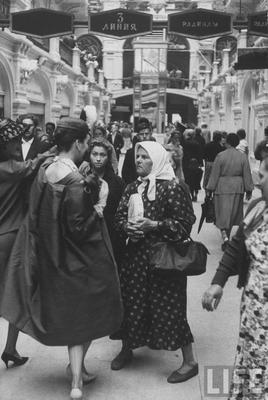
(76, 238)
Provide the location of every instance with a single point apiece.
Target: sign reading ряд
(120, 23)
(200, 23)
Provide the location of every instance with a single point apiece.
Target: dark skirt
(154, 305)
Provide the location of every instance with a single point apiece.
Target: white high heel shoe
(76, 394)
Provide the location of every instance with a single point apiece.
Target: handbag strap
(184, 230)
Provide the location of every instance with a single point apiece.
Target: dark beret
(74, 124)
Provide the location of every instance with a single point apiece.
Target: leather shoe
(122, 359)
(177, 377)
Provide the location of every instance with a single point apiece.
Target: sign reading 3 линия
(120, 23)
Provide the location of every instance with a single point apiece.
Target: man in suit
(31, 144)
(116, 139)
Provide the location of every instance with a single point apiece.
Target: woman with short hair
(62, 286)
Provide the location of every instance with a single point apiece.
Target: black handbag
(188, 257)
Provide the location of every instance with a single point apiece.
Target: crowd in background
(89, 223)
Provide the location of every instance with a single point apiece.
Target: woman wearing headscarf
(14, 177)
(230, 179)
(247, 256)
(61, 285)
(153, 208)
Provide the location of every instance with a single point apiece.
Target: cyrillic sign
(200, 23)
(258, 23)
(120, 23)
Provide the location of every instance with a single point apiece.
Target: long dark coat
(61, 286)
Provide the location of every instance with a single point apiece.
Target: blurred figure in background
(205, 133)
(211, 150)
(115, 138)
(243, 144)
(262, 147)
(230, 178)
(192, 159)
(175, 151)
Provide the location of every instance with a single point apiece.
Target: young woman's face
(144, 163)
(263, 175)
(98, 157)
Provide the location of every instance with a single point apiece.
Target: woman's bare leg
(76, 354)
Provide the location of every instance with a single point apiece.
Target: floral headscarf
(9, 130)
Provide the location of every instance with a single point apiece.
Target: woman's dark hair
(68, 131)
(241, 133)
(101, 143)
(198, 131)
(173, 135)
(217, 135)
(232, 139)
(99, 128)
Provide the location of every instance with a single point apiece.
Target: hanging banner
(120, 23)
(4, 13)
(42, 23)
(258, 23)
(200, 23)
(252, 58)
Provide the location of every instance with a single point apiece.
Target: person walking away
(243, 144)
(154, 304)
(247, 256)
(230, 178)
(211, 150)
(192, 159)
(61, 285)
(206, 133)
(262, 147)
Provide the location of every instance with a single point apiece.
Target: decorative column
(54, 49)
(76, 60)
(22, 75)
(225, 59)
(90, 71)
(215, 70)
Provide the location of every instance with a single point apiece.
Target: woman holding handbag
(154, 208)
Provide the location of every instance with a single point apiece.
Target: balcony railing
(66, 53)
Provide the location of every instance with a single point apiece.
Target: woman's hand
(133, 232)
(211, 298)
(146, 225)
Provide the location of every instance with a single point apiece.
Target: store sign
(4, 13)
(42, 23)
(200, 23)
(252, 58)
(258, 23)
(120, 23)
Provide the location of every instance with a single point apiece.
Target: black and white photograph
(133, 200)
